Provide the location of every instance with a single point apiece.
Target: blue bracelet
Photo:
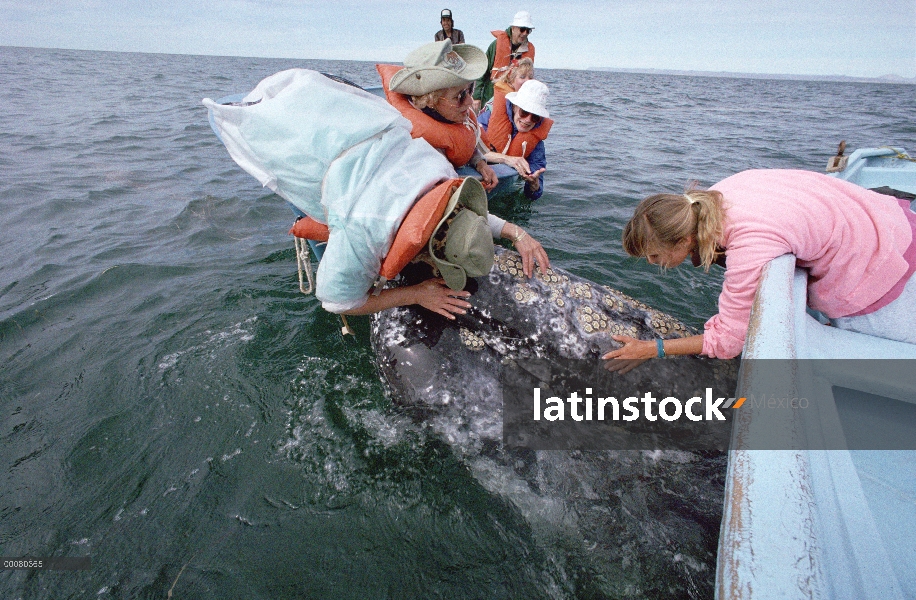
(660, 344)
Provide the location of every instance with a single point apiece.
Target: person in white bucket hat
(532, 97)
(515, 131)
(504, 52)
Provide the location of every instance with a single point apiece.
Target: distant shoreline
(732, 75)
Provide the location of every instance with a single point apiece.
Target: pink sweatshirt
(851, 240)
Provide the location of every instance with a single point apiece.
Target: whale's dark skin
(644, 522)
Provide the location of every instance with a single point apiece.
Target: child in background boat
(515, 132)
(433, 91)
(858, 246)
(511, 81)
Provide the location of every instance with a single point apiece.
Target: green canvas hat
(438, 65)
(468, 249)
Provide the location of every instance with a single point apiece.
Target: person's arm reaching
(635, 352)
(431, 294)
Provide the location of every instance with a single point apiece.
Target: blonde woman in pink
(857, 245)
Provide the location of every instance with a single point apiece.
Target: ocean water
(173, 407)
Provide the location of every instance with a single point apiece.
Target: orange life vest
(411, 237)
(503, 57)
(498, 136)
(456, 140)
(310, 229)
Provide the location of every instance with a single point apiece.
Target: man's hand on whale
(434, 295)
(431, 294)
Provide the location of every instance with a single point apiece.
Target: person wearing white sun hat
(510, 46)
(515, 133)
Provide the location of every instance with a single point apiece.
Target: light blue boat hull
(877, 167)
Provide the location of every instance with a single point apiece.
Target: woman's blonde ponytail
(707, 206)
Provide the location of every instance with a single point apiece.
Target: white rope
(304, 263)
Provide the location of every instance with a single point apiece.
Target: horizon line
(886, 78)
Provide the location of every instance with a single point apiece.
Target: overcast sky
(864, 38)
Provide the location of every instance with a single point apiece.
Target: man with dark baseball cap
(448, 32)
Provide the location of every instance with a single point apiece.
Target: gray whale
(629, 522)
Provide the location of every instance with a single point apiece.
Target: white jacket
(342, 156)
